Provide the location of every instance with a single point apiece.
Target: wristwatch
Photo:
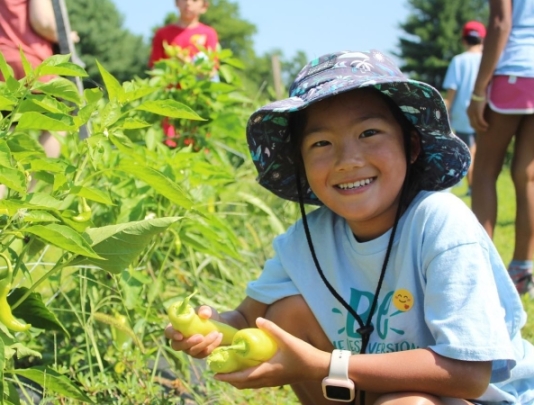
(337, 386)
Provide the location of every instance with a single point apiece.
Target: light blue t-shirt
(461, 75)
(445, 289)
(517, 58)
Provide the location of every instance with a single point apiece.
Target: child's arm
(201, 346)
(419, 370)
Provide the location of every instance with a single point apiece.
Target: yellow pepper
(85, 212)
(185, 320)
(250, 347)
(6, 316)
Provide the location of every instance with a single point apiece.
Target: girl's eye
(369, 132)
(320, 144)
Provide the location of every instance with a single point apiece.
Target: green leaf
(113, 86)
(163, 185)
(61, 88)
(226, 73)
(275, 222)
(169, 108)
(136, 94)
(235, 63)
(6, 103)
(56, 122)
(121, 244)
(23, 146)
(2, 364)
(92, 194)
(63, 237)
(93, 96)
(13, 179)
(110, 114)
(59, 65)
(43, 103)
(51, 165)
(43, 201)
(38, 216)
(25, 64)
(53, 382)
(5, 154)
(34, 311)
(133, 123)
(12, 394)
(7, 71)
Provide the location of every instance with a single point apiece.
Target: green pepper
(85, 212)
(6, 316)
(250, 347)
(185, 320)
(224, 360)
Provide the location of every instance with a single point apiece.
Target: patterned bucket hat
(446, 157)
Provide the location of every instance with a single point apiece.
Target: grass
(504, 234)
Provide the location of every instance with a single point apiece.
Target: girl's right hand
(196, 346)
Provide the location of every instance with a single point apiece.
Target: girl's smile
(355, 160)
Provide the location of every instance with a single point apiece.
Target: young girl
(389, 288)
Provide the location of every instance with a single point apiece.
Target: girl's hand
(475, 111)
(295, 361)
(196, 346)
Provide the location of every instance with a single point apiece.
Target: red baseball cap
(474, 29)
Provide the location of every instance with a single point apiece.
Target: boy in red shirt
(187, 33)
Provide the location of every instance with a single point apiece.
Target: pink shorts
(511, 95)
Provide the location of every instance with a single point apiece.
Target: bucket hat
(446, 157)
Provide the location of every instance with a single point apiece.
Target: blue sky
(314, 26)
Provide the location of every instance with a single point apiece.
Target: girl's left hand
(295, 361)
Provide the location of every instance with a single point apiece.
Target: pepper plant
(94, 212)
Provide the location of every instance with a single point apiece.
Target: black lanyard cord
(366, 329)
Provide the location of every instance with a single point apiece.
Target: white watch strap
(339, 364)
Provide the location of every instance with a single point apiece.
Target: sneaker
(522, 278)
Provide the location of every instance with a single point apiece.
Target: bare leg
(523, 177)
(407, 398)
(51, 145)
(294, 316)
(491, 150)
(52, 148)
(473, 150)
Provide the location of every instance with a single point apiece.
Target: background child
(386, 268)
(459, 82)
(187, 33)
(506, 77)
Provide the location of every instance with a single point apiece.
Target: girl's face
(353, 154)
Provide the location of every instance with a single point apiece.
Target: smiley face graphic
(403, 300)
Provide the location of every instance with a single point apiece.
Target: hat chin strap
(365, 328)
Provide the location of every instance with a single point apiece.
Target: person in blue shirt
(390, 287)
(502, 109)
(459, 82)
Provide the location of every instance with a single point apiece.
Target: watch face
(335, 392)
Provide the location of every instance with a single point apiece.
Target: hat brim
(447, 158)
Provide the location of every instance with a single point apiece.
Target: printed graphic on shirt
(199, 39)
(386, 338)
(403, 300)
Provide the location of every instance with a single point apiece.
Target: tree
(434, 36)
(103, 38)
(234, 32)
